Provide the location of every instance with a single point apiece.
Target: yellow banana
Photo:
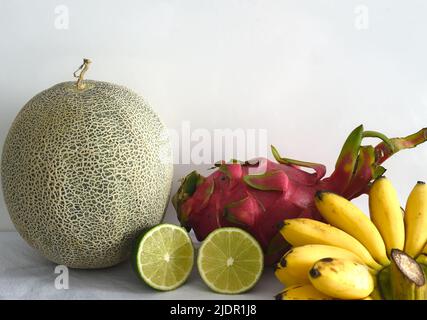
(294, 266)
(407, 277)
(386, 214)
(342, 279)
(375, 295)
(302, 292)
(302, 231)
(422, 258)
(344, 215)
(416, 220)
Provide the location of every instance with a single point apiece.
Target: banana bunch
(354, 257)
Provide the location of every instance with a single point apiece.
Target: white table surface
(24, 274)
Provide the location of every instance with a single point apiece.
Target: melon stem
(84, 67)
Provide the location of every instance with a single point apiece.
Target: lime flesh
(230, 261)
(164, 257)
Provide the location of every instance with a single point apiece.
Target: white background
(307, 71)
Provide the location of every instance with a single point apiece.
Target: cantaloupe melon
(84, 169)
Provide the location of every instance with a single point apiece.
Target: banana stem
(384, 285)
(407, 278)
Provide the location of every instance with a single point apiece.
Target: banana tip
(280, 225)
(319, 194)
(421, 182)
(314, 273)
(283, 262)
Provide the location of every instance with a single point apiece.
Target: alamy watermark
(361, 19)
(62, 280)
(62, 17)
(202, 146)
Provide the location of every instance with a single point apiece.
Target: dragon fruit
(257, 195)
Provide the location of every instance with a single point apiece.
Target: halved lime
(164, 256)
(230, 261)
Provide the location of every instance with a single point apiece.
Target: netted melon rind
(84, 171)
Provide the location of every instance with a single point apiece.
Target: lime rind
(212, 258)
(149, 260)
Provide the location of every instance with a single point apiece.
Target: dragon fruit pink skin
(258, 195)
